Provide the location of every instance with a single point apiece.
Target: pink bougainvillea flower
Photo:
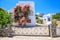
(15, 11)
(24, 8)
(27, 6)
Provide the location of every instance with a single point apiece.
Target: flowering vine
(21, 14)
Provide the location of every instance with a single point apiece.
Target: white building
(47, 19)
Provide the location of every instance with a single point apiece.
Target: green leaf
(5, 17)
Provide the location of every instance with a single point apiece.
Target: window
(48, 19)
(45, 19)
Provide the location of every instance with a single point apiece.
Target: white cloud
(37, 13)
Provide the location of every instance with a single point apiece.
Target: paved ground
(29, 38)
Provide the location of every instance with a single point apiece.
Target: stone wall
(32, 31)
(58, 31)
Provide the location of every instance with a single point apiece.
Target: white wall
(33, 20)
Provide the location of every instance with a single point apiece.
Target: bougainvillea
(21, 13)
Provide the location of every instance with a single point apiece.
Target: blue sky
(41, 6)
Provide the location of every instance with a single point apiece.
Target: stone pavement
(29, 38)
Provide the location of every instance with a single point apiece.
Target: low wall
(58, 31)
(36, 30)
